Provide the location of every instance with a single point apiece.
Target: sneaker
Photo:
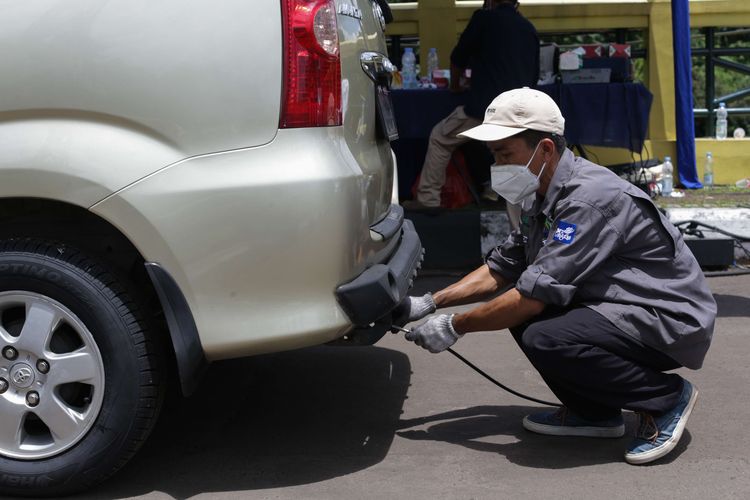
(565, 423)
(657, 436)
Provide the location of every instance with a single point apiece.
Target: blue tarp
(604, 114)
(683, 94)
(596, 114)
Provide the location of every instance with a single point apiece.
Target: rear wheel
(80, 381)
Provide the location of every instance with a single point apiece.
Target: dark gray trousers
(596, 369)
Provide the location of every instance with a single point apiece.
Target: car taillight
(312, 65)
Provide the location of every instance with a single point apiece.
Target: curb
(732, 220)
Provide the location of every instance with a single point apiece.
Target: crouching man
(605, 296)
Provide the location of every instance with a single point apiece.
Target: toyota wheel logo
(22, 376)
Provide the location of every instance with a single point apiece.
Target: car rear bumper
(374, 293)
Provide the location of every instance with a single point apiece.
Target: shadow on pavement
(272, 421)
(732, 305)
(498, 429)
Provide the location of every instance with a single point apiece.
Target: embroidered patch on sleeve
(565, 232)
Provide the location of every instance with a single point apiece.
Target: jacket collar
(563, 173)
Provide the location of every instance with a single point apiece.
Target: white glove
(436, 334)
(412, 309)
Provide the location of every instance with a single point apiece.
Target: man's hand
(412, 309)
(436, 334)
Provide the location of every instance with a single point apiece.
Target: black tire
(132, 378)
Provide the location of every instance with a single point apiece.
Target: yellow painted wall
(439, 23)
(731, 159)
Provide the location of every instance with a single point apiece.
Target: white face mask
(516, 183)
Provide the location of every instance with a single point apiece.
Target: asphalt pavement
(394, 421)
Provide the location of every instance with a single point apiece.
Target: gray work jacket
(595, 240)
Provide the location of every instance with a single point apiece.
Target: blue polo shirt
(502, 49)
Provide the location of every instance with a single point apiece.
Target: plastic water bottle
(432, 63)
(666, 178)
(708, 171)
(409, 69)
(721, 121)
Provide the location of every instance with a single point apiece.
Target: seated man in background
(503, 49)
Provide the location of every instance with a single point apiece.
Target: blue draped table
(596, 114)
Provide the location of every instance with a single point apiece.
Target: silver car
(181, 179)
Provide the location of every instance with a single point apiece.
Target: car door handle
(378, 67)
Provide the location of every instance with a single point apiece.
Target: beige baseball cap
(517, 110)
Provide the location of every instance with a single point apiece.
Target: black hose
(694, 223)
(729, 272)
(481, 372)
(505, 388)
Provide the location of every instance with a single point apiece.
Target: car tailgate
(361, 34)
